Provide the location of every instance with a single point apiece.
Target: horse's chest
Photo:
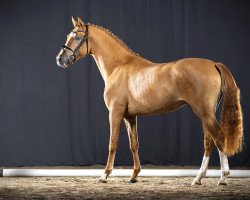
(114, 94)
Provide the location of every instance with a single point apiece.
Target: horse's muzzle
(62, 61)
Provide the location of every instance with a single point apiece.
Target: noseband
(82, 40)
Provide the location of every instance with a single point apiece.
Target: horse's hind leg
(211, 124)
(224, 168)
(218, 138)
(131, 125)
(212, 134)
(208, 146)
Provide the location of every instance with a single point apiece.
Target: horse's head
(76, 45)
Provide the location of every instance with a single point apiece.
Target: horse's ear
(80, 22)
(74, 22)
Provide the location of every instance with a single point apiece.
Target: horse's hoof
(132, 180)
(196, 183)
(101, 180)
(221, 183)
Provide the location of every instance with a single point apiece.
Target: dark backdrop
(51, 116)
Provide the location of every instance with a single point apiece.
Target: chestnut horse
(136, 86)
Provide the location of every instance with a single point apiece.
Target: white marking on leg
(224, 168)
(202, 172)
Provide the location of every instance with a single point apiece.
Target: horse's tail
(231, 119)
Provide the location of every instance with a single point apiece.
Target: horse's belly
(153, 90)
(152, 96)
(154, 107)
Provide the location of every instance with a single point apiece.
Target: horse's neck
(108, 52)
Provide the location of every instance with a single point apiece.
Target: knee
(112, 147)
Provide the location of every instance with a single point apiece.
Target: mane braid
(114, 36)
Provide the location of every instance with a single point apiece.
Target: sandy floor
(119, 188)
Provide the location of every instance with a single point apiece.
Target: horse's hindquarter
(152, 89)
(199, 82)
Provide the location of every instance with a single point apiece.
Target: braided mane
(114, 36)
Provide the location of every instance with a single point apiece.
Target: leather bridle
(83, 39)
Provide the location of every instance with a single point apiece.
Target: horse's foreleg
(224, 168)
(115, 119)
(131, 125)
(208, 145)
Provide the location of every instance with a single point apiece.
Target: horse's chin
(64, 66)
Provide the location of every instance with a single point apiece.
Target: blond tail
(231, 119)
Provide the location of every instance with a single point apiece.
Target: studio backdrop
(55, 116)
